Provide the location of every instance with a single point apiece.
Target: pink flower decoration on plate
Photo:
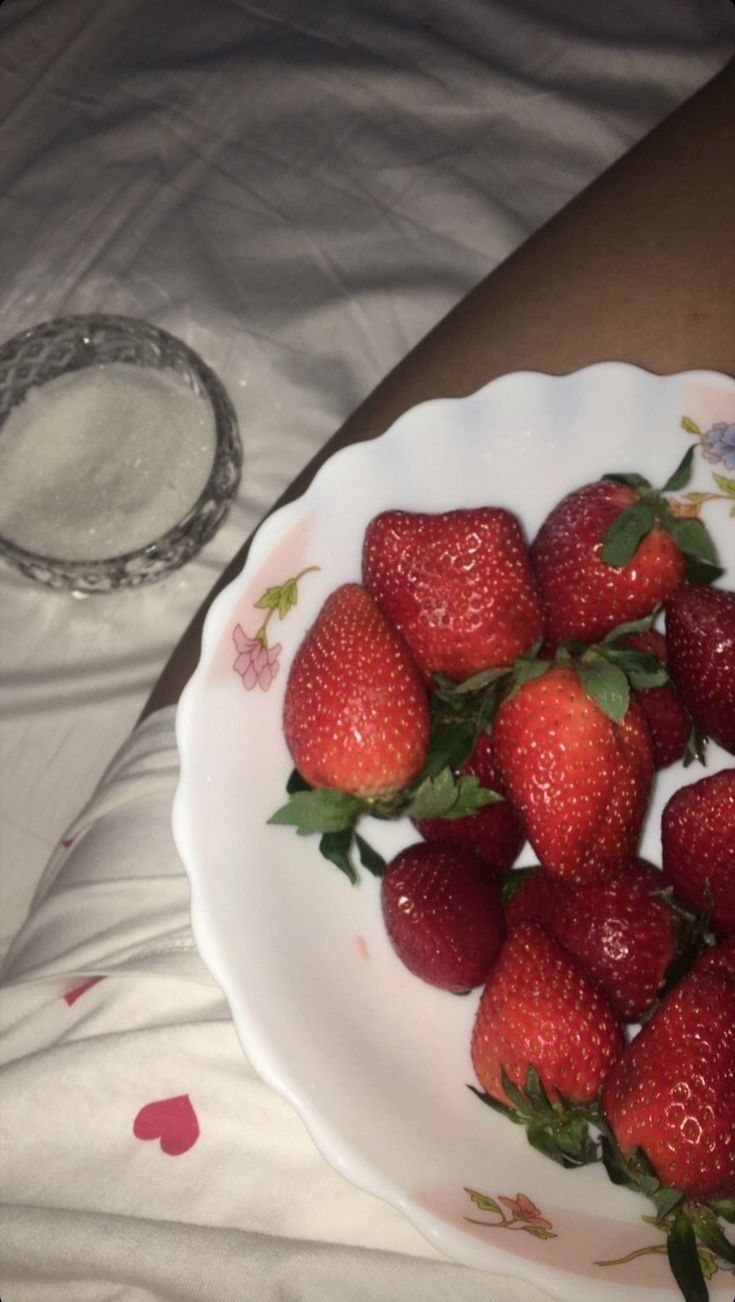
(524, 1214)
(256, 662)
(524, 1210)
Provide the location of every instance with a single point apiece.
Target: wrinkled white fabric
(245, 1207)
(300, 190)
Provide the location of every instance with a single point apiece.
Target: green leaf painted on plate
(725, 483)
(269, 600)
(483, 1202)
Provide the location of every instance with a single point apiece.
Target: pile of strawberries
(498, 694)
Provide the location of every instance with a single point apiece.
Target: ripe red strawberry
(700, 635)
(495, 831)
(698, 846)
(615, 930)
(668, 721)
(722, 956)
(458, 586)
(580, 781)
(581, 594)
(672, 1091)
(355, 715)
(651, 641)
(538, 1009)
(443, 914)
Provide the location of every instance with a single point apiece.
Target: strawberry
(698, 847)
(355, 714)
(458, 585)
(539, 1010)
(722, 956)
(668, 721)
(616, 930)
(443, 914)
(700, 635)
(651, 642)
(494, 831)
(671, 1092)
(610, 552)
(582, 595)
(579, 779)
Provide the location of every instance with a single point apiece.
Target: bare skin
(639, 268)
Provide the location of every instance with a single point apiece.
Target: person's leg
(639, 268)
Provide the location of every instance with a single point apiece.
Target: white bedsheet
(299, 190)
(141, 1157)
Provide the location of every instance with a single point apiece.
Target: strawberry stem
(332, 814)
(609, 669)
(558, 1129)
(689, 1227)
(652, 510)
(681, 1248)
(693, 937)
(696, 747)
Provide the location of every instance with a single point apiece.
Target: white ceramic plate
(375, 1061)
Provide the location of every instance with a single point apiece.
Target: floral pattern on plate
(257, 660)
(524, 1214)
(717, 445)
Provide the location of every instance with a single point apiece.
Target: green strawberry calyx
(688, 1225)
(437, 792)
(652, 508)
(693, 935)
(695, 750)
(608, 671)
(557, 1128)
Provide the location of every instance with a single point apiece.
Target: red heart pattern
(71, 996)
(171, 1121)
